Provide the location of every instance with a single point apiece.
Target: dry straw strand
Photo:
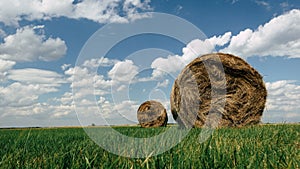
(195, 104)
(152, 114)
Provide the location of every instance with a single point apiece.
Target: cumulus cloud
(116, 112)
(283, 101)
(18, 95)
(98, 11)
(199, 47)
(31, 84)
(36, 76)
(82, 78)
(24, 97)
(15, 10)
(88, 85)
(220, 40)
(25, 45)
(62, 111)
(123, 71)
(101, 62)
(173, 64)
(31, 110)
(170, 65)
(65, 66)
(164, 83)
(39, 27)
(126, 109)
(5, 65)
(29, 44)
(65, 99)
(39, 114)
(271, 39)
(24, 88)
(132, 8)
(283, 95)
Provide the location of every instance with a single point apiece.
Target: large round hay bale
(152, 114)
(218, 89)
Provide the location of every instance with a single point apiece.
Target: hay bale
(199, 90)
(152, 114)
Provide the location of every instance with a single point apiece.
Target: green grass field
(267, 146)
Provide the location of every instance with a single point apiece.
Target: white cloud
(83, 79)
(271, 39)
(19, 95)
(87, 85)
(97, 11)
(36, 76)
(39, 27)
(283, 100)
(105, 11)
(23, 110)
(16, 10)
(174, 64)
(27, 104)
(169, 65)
(132, 8)
(101, 62)
(65, 66)
(220, 40)
(264, 4)
(283, 95)
(22, 94)
(82, 75)
(123, 71)
(62, 111)
(164, 83)
(121, 88)
(78, 71)
(127, 109)
(40, 112)
(113, 113)
(65, 99)
(199, 47)
(86, 82)
(5, 66)
(105, 107)
(25, 45)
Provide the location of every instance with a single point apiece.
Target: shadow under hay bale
(152, 114)
(218, 90)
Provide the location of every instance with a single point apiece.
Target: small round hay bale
(197, 96)
(152, 114)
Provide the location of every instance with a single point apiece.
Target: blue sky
(41, 41)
